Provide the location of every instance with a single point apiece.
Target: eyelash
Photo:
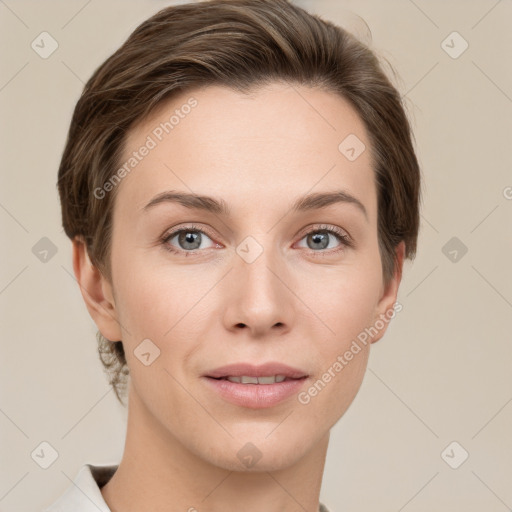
(345, 240)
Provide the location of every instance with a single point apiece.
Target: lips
(270, 369)
(255, 395)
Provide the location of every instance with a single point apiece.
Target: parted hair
(241, 44)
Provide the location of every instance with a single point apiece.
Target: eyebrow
(315, 201)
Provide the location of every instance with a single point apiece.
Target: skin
(295, 303)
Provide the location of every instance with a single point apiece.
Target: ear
(389, 295)
(96, 291)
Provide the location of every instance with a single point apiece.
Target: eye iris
(189, 237)
(322, 237)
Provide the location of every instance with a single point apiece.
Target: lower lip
(255, 396)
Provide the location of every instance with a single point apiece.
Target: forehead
(278, 142)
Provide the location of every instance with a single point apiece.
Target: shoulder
(84, 494)
(323, 508)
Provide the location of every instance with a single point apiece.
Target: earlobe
(389, 297)
(96, 292)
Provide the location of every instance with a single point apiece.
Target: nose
(258, 297)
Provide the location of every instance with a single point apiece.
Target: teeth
(257, 380)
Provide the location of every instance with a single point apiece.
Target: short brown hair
(239, 44)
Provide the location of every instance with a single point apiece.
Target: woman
(240, 187)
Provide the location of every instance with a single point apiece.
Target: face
(261, 282)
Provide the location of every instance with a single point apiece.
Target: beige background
(442, 373)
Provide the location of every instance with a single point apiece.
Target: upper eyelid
(173, 232)
(323, 227)
(342, 234)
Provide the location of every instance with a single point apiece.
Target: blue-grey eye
(319, 240)
(187, 239)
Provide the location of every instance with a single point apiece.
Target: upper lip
(262, 370)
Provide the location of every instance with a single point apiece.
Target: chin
(267, 461)
(259, 452)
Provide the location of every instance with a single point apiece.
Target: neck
(158, 473)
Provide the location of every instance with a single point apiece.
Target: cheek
(332, 392)
(167, 306)
(346, 307)
(345, 301)
(347, 310)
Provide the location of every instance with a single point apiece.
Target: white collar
(84, 495)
